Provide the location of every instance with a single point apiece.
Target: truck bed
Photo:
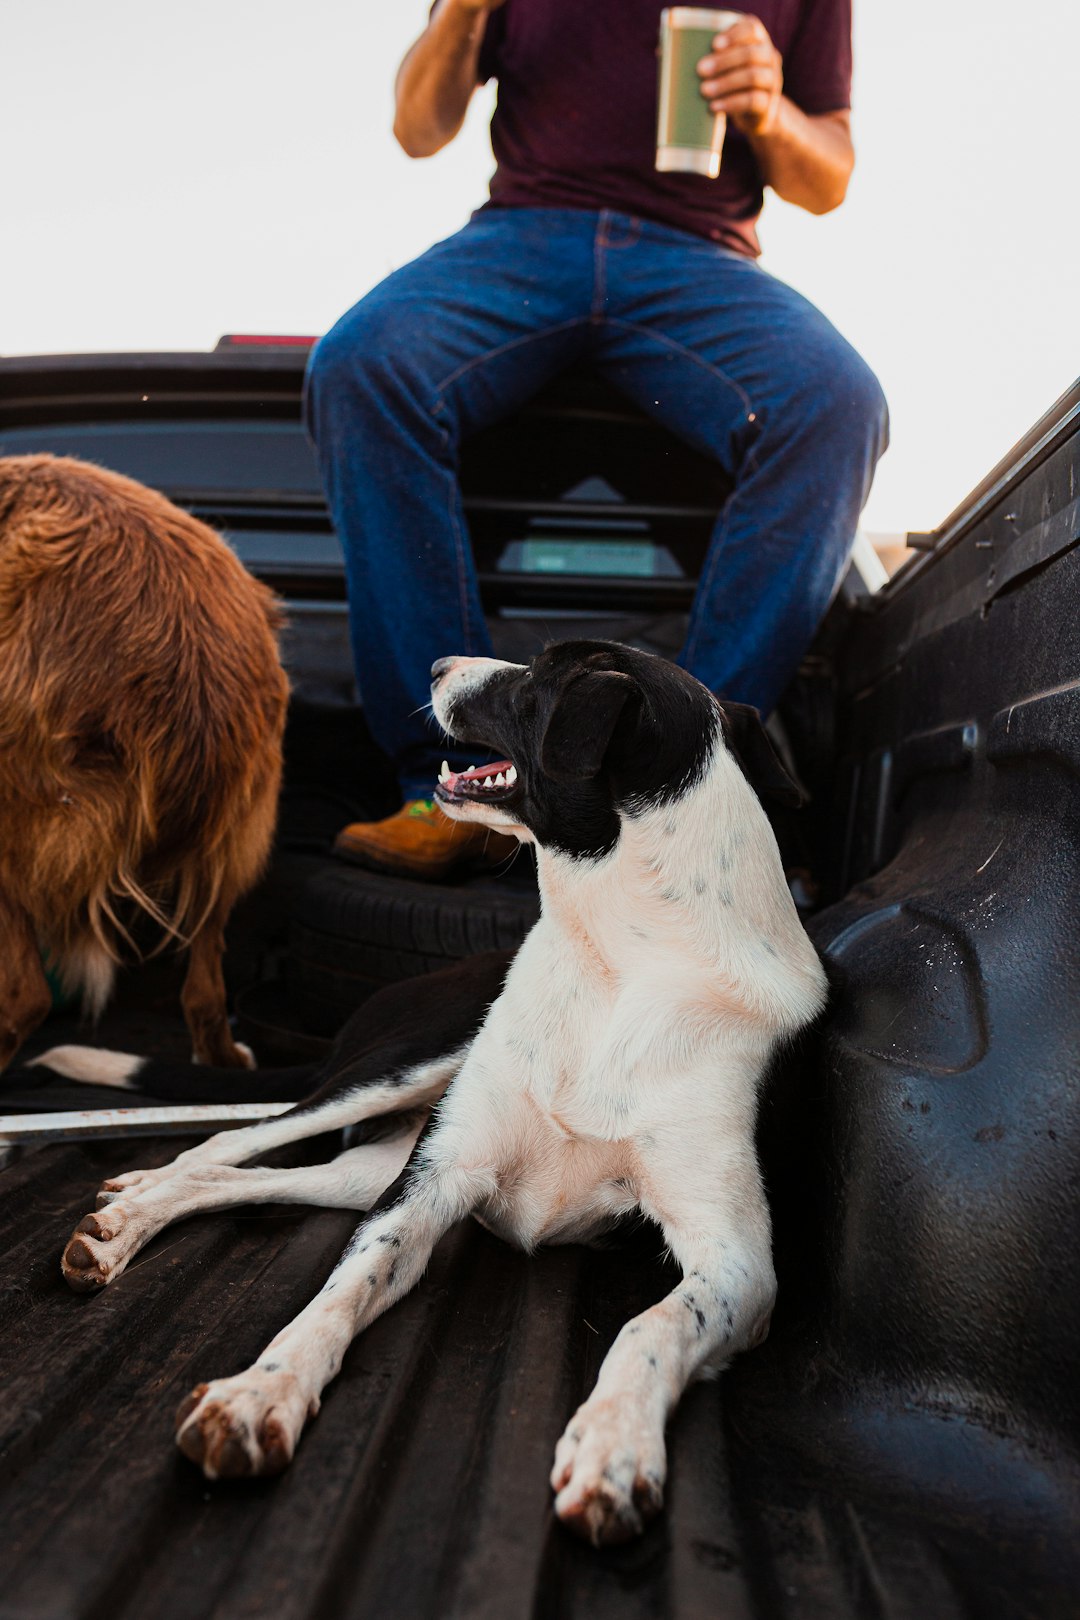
(906, 1443)
(421, 1488)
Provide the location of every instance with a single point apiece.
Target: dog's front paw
(609, 1472)
(236, 1427)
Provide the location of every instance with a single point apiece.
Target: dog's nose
(440, 667)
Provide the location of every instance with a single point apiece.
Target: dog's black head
(590, 731)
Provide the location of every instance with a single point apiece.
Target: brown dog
(142, 704)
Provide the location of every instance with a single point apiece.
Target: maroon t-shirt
(575, 124)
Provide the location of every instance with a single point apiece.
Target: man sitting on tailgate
(585, 251)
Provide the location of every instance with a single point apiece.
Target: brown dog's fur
(142, 704)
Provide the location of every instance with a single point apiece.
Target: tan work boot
(420, 842)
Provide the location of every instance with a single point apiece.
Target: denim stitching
(631, 238)
(502, 348)
(688, 354)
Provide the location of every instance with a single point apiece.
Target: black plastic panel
(931, 1237)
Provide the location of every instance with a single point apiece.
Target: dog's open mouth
(482, 784)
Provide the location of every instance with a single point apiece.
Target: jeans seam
(689, 354)
(501, 348)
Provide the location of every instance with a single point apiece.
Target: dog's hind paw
(86, 1262)
(237, 1427)
(609, 1472)
(129, 1213)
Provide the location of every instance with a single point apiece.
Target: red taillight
(264, 340)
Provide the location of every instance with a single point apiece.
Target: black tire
(354, 931)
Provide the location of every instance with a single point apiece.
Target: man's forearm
(437, 78)
(807, 161)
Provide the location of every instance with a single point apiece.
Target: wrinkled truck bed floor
(421, 1489)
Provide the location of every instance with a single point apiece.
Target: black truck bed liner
(421, 1488)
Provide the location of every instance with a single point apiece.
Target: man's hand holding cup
(743, 77)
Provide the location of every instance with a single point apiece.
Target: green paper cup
(689, 138)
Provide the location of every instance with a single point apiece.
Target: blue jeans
(703, 339)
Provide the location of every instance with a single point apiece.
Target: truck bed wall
(932, 1254)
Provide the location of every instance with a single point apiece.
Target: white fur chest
(550, 1022)
(674, 958)
(605, 1051)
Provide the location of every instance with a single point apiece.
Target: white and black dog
(617, 1069)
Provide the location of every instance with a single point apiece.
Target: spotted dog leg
(417, 1087)
(611, 1462)
(250, 1424)
(104, 1243)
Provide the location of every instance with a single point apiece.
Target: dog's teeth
(488, 782)
(444, 771)
(500, 780)
(511, 776)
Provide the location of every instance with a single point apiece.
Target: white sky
(227, 165)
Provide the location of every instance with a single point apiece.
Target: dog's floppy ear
(756, 756)
(581, 724)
